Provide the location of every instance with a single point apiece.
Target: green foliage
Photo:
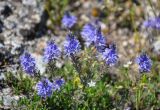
(112, 91)
(20, 83)
(32, 103)
(106, 94)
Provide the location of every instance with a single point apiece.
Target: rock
(29, 2)
(7, 11)
(10, 24)
(1, 45)
(2, 76)
(23, 13)
(17, 24)
(156, 46)
(1, 26)
(7, 100)
(6, 91)
(15, 45)
(36, 18)
(39, 63)
(10, 101)
(15, 100)
(27, 34)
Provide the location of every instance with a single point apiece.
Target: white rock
(6, 91)
(39, 63)
(1, 45)
(15, 100)
(7, 100)
(29, 2)
(156, 46)
(36, 18)
(2, 76)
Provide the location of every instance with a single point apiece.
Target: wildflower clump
(58, 83)
(80, 76)
(152, 23)
(71, 45)
(44, 88)
(28, 63)
(100, 41)
(92, 35)
(88, 33)
(110, 55)
(51, 52)
(69, 20)
(144, 62)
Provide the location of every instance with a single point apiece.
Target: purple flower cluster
(88, 33)
(100, 41)
(93, 35)
(51, 52)
(152, 23)
(58, 83)
(28, 63)
(71, 45)
(69, 20)
(110, 55)
(144, 62)
(45, 88)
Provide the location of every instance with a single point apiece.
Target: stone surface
(10, 100)
(156, 46)
(29, 2)
(7, 100)
(2, 76)
(21, 15)
(6, 91)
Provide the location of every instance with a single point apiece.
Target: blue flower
(93, 35)
(152, 23)
(44, 88)
(58, 83)
(71, 45)
(68, 20)
(110, 55)
(51, 52)
(88, 33)
(28, 63)
(144, 63)
(100, 41)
